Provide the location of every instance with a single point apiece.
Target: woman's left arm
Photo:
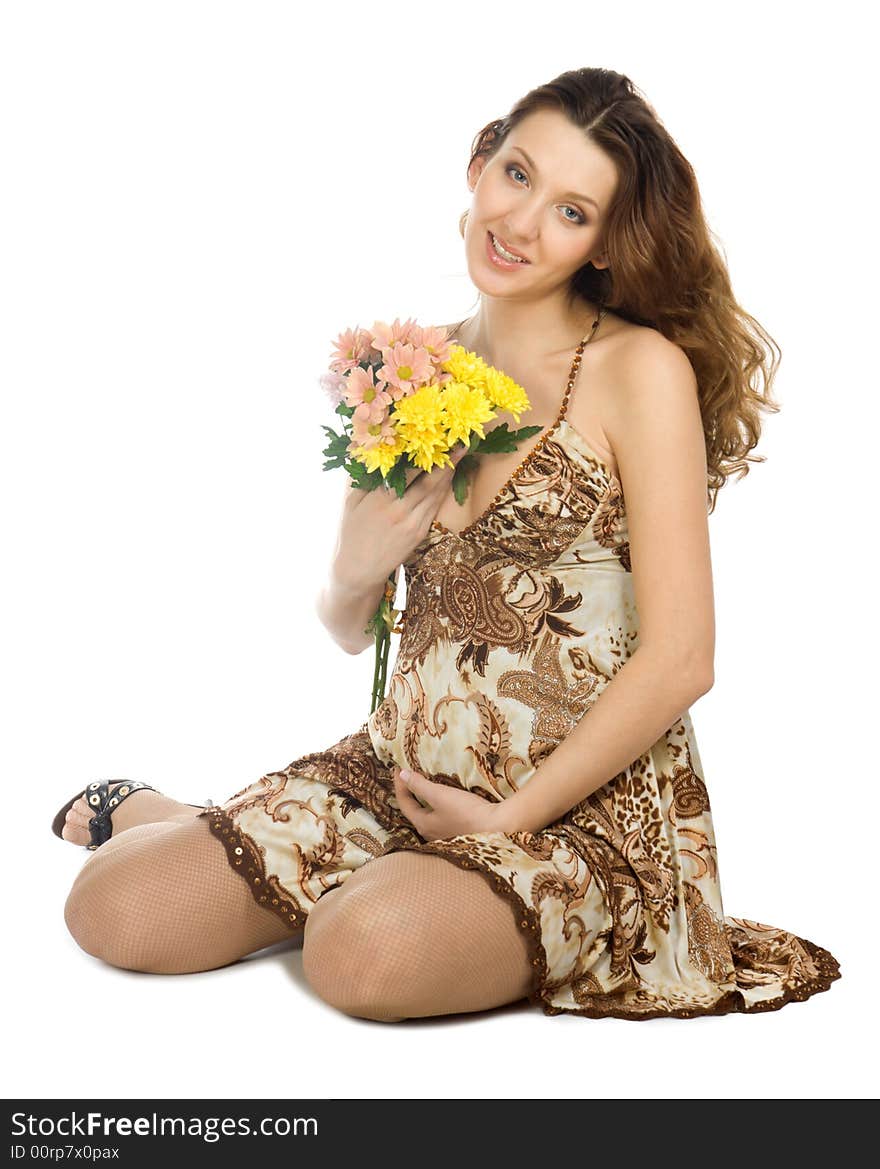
(656, 431)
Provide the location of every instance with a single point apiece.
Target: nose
(519, 228)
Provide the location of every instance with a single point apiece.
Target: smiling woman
(554, 840)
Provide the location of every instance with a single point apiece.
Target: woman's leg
(162, 898)
(410, 935)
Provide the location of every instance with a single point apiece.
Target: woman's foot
(140, 807)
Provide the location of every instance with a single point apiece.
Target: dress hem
(246, 859)
(731, 1001)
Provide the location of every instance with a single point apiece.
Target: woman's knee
(370, 943)
(111, 910)
(165, 901)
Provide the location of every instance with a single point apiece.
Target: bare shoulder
(640, 374)
(631, 350)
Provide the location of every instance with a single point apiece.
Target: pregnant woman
(525, 815)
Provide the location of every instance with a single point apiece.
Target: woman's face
(537, 193)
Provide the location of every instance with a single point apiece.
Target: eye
(580, 218)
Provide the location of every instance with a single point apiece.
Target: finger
(422, 485)
(453, 457)
(435, 494)
(354, 496)
(422, 503)
(409, 805)
(415, 786)
(418, 785)
(457, 453)
(352, 493)
(413, 475)
(426, 482)
(443, 484)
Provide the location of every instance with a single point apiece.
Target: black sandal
(98, 796)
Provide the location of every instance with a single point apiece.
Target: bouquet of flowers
(406, 396)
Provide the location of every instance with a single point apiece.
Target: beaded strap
(575, 365)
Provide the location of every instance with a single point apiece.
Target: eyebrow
(583, 198)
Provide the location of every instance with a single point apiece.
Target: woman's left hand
(452, 812)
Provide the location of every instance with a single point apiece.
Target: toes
(75, 832)
(76, 822)
(78, 815)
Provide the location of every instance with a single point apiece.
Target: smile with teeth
(504, 253)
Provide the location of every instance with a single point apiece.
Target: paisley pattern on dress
(513, 627)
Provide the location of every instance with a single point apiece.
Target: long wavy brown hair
(665, 270)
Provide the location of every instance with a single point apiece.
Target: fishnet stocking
(162, 898)
(407, 935)
(410, 935)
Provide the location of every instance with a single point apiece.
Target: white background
(196, 199)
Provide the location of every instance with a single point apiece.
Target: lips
(508, 248)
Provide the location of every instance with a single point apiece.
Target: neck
(505, 333)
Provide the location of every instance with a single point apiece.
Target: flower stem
(381, 623)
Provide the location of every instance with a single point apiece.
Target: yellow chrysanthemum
(500, 390)
(428, 451)
(465, 409)
(465, 366)
(419, 420)
(503, 392)
(382, 456)
(423, 407)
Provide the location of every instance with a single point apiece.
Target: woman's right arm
(377, 532)
(344, 608)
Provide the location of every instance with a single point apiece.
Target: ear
(475, 170)
(600, 261)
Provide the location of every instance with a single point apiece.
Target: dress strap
(575, 365)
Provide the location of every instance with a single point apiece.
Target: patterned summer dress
(513, 627)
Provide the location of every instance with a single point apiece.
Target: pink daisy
(436, 341)
(362, 390)
(384, 335)
(349, 348)
(371, 434)
(406, 368)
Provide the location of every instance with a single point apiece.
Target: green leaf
(396, 477)
(465, 465)
(501, 438)
(373, 479)
(336, 449)
(358, 472)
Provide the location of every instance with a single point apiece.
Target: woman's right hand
(379, 529)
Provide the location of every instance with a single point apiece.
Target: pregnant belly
(471, 737)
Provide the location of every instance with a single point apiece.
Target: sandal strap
(98, 796)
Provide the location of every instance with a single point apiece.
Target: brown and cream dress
(513, 627)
